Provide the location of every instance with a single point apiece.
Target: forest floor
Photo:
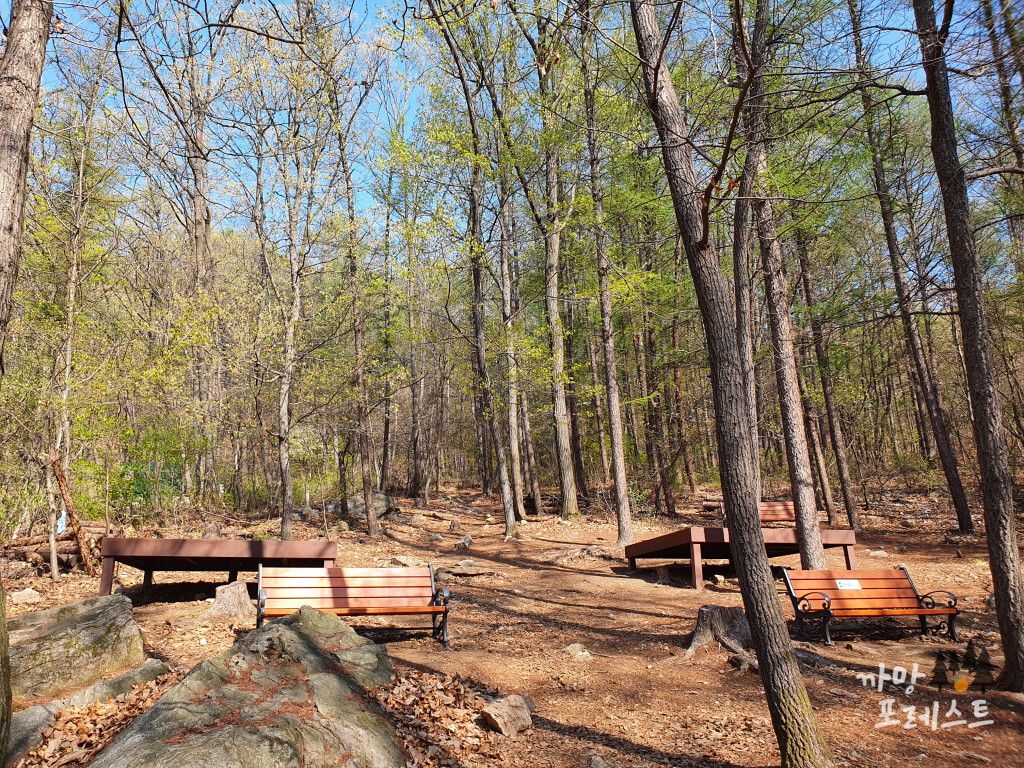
(636, 702)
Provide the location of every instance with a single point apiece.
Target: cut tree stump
(230, 605)
(727, 626)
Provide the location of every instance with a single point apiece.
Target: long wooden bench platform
(827, 595)
(699, 543)
(354, 592)
(232, 556)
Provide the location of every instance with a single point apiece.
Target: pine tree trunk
(5, 679)
(800, 739)
(930, 394)
(996, 480)
(828, 390)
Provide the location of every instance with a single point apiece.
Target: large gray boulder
(382, 504)
(73, 645)
(288, 694)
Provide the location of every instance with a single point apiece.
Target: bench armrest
(927, 601)
(441, 596)
(803, 605)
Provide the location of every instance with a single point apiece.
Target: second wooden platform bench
(354, 592)
(828, 595)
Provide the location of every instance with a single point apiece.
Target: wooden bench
(228, 555)
(828, 595)
(354, 592)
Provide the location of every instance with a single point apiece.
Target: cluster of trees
(255, 253)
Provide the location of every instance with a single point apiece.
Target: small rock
(574, 648)
(341, 525)
(719, 580)
(437, 537)
(901, 550)
(508, 715)
(27, 596)
(959, 554)
(464, 543)
(454, 525)
(990, 602)
(596, 761)
(489, 520)
(404, 561)
(878, 553)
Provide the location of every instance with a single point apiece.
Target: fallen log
(28, 541)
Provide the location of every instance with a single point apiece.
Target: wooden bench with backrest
(354, 592)
(827, 595)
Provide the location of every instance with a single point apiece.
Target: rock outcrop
(73, 645)
(288, 694)
(27, 726)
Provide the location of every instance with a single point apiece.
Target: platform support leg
(232, 577)
(696, 567)
(851, 558)
(107, 576)
(147, 578)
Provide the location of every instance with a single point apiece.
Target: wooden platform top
(316, 550)
(778, 541)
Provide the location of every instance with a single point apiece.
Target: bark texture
(21, 71)
(989, 438)
(800, 739)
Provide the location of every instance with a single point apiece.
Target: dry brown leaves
(437, 717)
(79, 733)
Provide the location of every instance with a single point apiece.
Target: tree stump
(231, 605)
(727, 626)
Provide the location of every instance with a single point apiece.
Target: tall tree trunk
(811, 426)
(532, 476)
(362, 395)
(996, 480)
(828, 391)
(800, 739)
(595, 383)
(812, 553)
(572, 400)
(21, 71)
(930, 394)
(5, 678)
(511, 365)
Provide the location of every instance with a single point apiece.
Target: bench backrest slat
(347, 588)
(861, 589)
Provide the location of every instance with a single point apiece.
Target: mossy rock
(72, 646)
(288, 694)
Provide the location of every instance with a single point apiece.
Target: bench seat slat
(386, 573)
(290, 608)
(352, 602)
(866, 602)
(421, 593)
(895, 611)
(360, 583)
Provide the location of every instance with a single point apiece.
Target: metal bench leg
(952, 628)
(800, 628)
(924, 624)
(107, 576)
(444, 631)
(824, 629)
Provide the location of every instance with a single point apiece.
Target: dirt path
(637, 702)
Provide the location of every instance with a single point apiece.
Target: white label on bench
(847, 584)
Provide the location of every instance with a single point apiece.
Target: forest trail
(636, 702)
